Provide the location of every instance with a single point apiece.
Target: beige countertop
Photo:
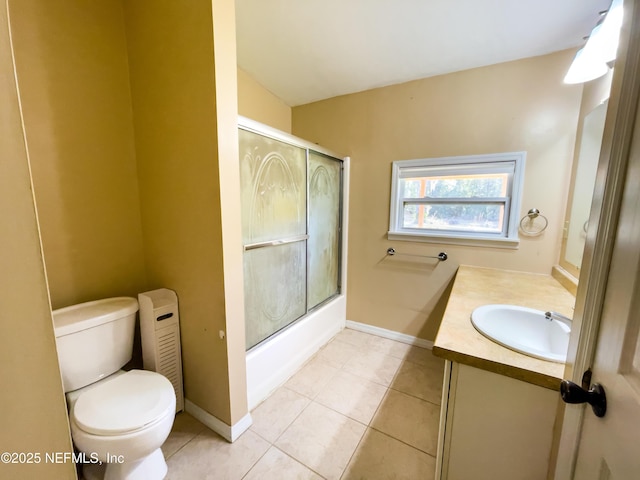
(459, 341)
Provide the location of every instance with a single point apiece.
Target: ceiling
(308, 50)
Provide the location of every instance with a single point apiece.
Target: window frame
(508, 238)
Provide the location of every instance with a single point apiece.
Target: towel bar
(442, 256)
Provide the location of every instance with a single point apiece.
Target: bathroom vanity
(498, 406)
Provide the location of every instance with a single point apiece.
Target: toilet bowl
(122, 421)
(118, 419)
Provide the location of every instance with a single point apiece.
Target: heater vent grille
(169, 357)
(160, 332)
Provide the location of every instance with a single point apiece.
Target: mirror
(584, 177)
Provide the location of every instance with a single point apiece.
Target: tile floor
(364, 407)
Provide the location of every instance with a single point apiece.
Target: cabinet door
(497, 428)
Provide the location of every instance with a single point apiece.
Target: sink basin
(524, 330)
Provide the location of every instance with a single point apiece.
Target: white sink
(524, 330)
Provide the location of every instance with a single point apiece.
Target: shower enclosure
(292, 215)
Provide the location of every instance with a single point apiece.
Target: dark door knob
(572, 393)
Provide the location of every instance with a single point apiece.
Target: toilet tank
(94, 339)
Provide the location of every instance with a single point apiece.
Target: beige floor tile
(277, 412)
(353, 337)
(210, 457)
(337, 353)
(277, 465)
(352, 396)
(380, 457)
(409, 419)
(293, 437)
(387, 346)
(184, 429)
(422, 381)
(431, 361)
(422, 356)
(322, 439)
(374, 366)
(310, 379)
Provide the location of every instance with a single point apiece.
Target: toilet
(119, 419)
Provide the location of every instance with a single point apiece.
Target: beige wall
(75, 62)
(84, 69)
(513, 106)
(34, 416)
(174, 77)
(259, 104)
(226, 81)
(72, 67)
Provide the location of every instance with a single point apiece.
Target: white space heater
(160, 332)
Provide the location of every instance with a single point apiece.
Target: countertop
(459, 341)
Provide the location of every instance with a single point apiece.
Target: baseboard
(228, 432)
(390, 334)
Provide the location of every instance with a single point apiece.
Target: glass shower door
(273, 185)
(325, 193)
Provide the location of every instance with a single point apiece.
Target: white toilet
(121, 418)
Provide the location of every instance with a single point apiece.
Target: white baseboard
(229, 433)
(390, 334)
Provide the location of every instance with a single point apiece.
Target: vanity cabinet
(493, 427)
(499, 406)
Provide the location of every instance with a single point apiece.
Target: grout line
(256, 462)
(415, 396)
(298, 461)
(273, 443)
(402, 441)
(358, 350)
(191, 440)
(293, 421)
(353, 454)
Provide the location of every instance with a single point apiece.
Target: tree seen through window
(457, 215)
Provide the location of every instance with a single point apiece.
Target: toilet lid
(126, 403)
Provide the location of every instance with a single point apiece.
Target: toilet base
(151, 467)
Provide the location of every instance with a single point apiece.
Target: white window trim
(511, 239)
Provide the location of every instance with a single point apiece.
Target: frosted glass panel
(274, 289)
(291, 248)
(273, 188)
(324, 227)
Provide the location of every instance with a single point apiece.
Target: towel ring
(533, 223)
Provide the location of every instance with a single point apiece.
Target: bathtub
(272, 362)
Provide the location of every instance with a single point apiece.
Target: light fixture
(609, 32)
(583, 69)
(591, 60)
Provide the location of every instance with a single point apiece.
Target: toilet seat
(130, 402)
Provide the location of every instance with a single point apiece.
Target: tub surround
(458, 341)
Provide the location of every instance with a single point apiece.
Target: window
(472, 200)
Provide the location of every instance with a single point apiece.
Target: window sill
(510, 243)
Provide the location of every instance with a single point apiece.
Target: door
(608, 447)
(273, 178)
(291, 204)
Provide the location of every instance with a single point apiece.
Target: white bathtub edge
(271, 364)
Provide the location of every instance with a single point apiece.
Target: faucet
(556, 316)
